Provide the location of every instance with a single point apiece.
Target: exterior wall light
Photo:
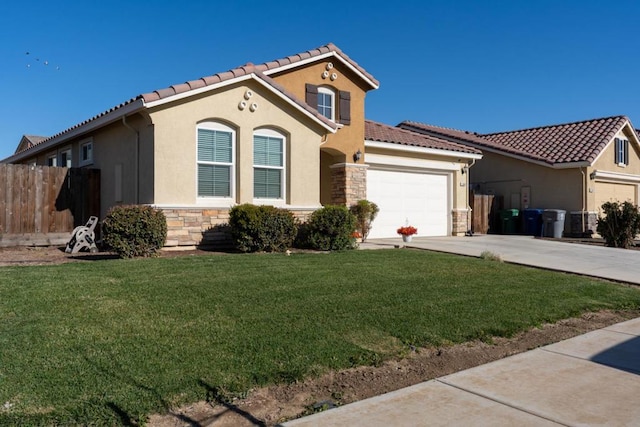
(357, 155)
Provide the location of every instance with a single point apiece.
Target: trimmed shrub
(620, 225)
(262, 228)
(134, 231)
(365, 212)
(331, 228)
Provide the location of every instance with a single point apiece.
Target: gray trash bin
(553, 221)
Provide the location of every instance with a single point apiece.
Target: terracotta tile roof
(374, 131)
(556, 144)
(259, 70)
(249, 68)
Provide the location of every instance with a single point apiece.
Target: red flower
(407, 231)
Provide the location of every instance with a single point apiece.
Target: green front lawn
(112, 341)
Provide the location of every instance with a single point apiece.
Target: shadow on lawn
(215, 395)
(125, 418)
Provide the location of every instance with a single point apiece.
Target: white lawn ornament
(83, 237)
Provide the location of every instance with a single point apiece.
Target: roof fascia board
(318, 58)
(238, 79)
(601, 153)
(110, 117)
(198, 91)
(295, 105)
(421, 150)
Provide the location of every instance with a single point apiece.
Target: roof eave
(423, 150)
(370, 82)
(98, 122)
(251, 76)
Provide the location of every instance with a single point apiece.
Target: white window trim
(88, 161)
(223, 201)
(69, 157)
(283, 176)
(621, 149)
(328, 91)
(54, 158)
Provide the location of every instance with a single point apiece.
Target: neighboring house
(575, 167)
(288, 133)
(29, 141)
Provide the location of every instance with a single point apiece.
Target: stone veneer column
(590, 223)
(460, 223)
(348, 183)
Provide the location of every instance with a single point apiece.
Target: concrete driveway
(608, 263)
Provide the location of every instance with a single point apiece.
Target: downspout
(584, 196)
(468, 189)
(136, 160)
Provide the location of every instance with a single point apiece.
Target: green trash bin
(509, 221)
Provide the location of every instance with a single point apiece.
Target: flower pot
(406, 239)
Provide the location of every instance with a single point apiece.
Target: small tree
(365, 212)
(620, 224)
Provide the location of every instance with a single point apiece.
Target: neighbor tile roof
(246, 69)
(374, 131)
(556, 144)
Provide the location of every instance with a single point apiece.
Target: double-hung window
(216, 157)
(326, 103)
(86, 153)
(65, 158)
(268, 164)
(622, 152)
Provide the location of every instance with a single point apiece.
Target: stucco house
(289, 133)
(575, 167)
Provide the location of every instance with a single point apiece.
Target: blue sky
(477, 65)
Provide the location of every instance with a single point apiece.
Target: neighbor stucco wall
(508, 177)
(175, 145)
(606, 160)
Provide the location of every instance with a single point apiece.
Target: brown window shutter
(311, 95)
(345, 107)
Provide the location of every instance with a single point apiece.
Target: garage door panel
(615, 192)
(421, 199)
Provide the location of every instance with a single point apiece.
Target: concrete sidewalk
(592, 379)
(597, 261)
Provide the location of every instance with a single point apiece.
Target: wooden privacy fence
(41, 200)
(485, 209)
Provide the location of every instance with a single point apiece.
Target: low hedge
(134, 230)
(262, 228)
(330, 229)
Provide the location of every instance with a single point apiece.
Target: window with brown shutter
(311, 95)
(344, 107)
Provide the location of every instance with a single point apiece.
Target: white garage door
(610, 192)
(422, 199)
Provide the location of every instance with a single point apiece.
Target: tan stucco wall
(349, 138)
(175, 144)
(113, 145)
(606, 163)
(606, 160)
(549, 188)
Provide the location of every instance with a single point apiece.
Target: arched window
(216, 160)
(268, 164)
(327, 102)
